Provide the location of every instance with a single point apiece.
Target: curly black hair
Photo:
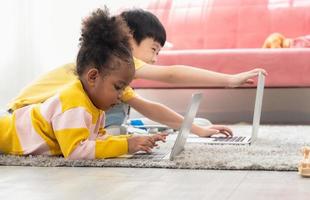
(103, 39)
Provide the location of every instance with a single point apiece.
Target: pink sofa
(227, 35)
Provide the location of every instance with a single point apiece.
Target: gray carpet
(277, 148)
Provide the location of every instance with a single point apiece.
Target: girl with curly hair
(71, 123)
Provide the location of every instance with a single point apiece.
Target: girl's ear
(92, 76)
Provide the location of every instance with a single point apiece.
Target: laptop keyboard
(230, 139)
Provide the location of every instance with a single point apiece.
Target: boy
(148, 37)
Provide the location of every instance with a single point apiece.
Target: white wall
(38, 35)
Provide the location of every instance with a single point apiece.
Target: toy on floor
(304, 165)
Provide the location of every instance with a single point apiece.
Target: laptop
(179, 143)
(239, 139)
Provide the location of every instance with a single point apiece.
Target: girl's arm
(72, 129)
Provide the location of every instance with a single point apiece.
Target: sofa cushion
(219, 24)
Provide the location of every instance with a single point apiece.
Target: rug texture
(277, 148)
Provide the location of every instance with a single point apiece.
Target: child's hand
(245, 77)
(144, 143)
(159, 137)
(216, 129)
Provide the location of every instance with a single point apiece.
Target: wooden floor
(133, 183)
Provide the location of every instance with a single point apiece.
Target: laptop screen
(258, 105)
(186, 125)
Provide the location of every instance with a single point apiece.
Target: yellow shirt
(66, 124)
(50, 83)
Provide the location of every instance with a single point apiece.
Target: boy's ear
(92, 76)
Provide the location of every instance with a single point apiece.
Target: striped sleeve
(78, 137)
(112, 146)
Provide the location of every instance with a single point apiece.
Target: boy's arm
(192, 76)
(156, 112)
(164, 115)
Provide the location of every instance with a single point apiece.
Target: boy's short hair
(144, 24)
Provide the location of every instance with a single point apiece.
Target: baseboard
(280, 105)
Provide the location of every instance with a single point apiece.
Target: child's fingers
(145, 148)
(148, 142)
(249, 81)
(163, 134)
(228, 130)
(160, 137)
(257, 70)
(223, 132)
(222, 128)
(217, 129)
(151, 139)
(211, 132)
(226, 133)
(263, 71)
(253, 73)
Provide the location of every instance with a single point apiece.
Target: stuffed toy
(304, 164)
(277, 40)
